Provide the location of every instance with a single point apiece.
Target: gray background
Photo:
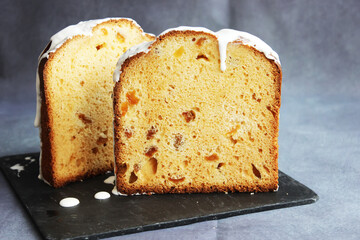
(318, 43)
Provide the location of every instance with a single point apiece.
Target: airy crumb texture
(76, 114)
(183, 126)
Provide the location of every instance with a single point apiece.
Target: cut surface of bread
(182, 125)
(75, 88)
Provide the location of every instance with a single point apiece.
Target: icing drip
(116, 192)
(69, 202)
(224, 37)
(228, 35)
(110, 180)
(102, 195)
(18, 168)
(142, 47)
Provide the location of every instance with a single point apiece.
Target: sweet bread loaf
(74, 87)
(197, 111)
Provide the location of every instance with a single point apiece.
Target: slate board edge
(18, 197)
(162, 225)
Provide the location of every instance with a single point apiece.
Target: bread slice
(197, 111)
(74, 98)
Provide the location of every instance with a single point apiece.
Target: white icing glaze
(57, 40)
(102, 195)
(116, 192)
(224, 37)
(142, 47)
(30, 159)
(82, 28)
(18, 168)
(229, 35)
(110, 180)
(187, 28)
(69, 202)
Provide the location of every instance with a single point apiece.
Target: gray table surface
(318, 43)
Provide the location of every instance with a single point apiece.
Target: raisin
(189, 116)
(101, 140)
(95, 150)
(151, 132)
(178, 140)
(128, 133)
(151, 151)
(202, 56)
(84, 119)
(220, 165)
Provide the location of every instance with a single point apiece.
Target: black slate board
(120, 215)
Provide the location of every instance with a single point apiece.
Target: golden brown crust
(123, 185)
(46, 155)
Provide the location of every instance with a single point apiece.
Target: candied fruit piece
(234, 130)
(179, 52)
(189, 115)
(100, 46)
(120, 37)
(212, 157)
(234, 141)
(200, 41)
(104, 31)
(132, 99)
(124, 108)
